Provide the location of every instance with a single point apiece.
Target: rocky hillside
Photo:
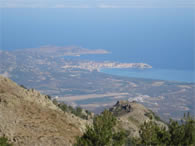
(30, 118)
(132, 115)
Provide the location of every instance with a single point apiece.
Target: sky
(97, 3)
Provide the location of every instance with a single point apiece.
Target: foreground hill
(30, 118)
(132, 115)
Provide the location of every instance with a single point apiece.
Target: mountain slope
(132, 115)
(30, 118)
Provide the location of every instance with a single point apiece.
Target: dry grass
(28, 118)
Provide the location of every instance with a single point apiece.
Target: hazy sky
(95, 3)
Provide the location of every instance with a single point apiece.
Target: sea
(161, 37)
(158, 74)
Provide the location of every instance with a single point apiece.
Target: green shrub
(4, 142)
(182, 133)
(153, 134)
(23, 86)
(63, 107)
(102, 132)
(76, 111)
(178, 133)
(55, 102)
(49, 97)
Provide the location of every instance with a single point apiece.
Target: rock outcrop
(28, 118)
(121, 107)
(132, 115)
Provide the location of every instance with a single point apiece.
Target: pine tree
(102, 132)
(153, 134)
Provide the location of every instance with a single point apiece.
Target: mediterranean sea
(159, 74)
(162, 38)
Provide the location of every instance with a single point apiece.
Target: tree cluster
(102, 133)
(180, 133)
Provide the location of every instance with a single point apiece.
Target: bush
(76, 111)
(152, 134)
(182, 133)
(63, 107)
(178, 133)
(23, 87)
(102, 132)
(55, 102)
(49, 97)
(4, 142)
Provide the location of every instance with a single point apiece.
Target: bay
(160, 74)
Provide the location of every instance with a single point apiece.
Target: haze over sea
(161, 37)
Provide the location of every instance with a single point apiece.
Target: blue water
(160, 74)
(161, 37)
